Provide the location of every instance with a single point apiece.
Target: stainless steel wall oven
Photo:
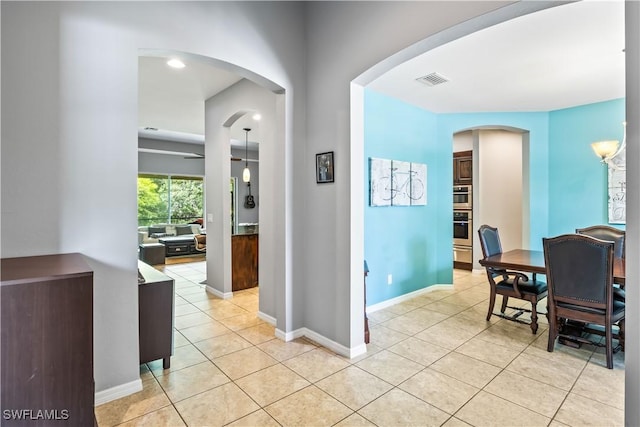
(462, 197)
(462, 228)
(462, 239)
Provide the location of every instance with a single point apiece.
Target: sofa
(151, 233)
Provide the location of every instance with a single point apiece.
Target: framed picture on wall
(324, 167)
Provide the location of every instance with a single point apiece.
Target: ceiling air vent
(433, 79)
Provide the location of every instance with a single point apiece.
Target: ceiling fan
(189, 156)
(196, 156)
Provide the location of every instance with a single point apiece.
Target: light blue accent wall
(578, 181)
(406, 241)
(568, 185)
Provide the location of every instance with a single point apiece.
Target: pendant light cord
(245, 173)
(246, 148)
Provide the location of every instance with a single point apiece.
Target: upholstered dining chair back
(579, 270)
(489, 240)
(605, 232)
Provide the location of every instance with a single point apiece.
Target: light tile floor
(432, 361)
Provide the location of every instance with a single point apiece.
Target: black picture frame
(325, 167)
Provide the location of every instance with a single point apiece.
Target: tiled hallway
(433, 360)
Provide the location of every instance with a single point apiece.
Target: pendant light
(246, 173)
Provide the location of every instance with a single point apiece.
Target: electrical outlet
(389, 279)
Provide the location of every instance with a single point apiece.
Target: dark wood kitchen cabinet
(244, 261)
(47, 340)
(463, 167)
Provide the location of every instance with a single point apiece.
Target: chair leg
(505, 301)
(609, 346)
(553, 332)
(621, 334)
(534, 317)
(492, 302)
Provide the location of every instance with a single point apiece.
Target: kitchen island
(244, 261)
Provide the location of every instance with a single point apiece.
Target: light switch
(209, 217)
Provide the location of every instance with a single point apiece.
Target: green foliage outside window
(187, 196)
(169, 199)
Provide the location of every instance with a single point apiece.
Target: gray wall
(168, 164)
(632, 245)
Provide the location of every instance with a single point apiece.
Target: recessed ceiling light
(175, 63)
(257, 117)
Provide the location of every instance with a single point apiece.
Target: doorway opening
(223, 93)
(498, 196)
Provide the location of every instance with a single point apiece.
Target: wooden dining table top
(533, 262)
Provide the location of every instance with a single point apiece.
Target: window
(169, 199)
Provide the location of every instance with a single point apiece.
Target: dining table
(530, 261)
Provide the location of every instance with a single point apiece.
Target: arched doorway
(250, 92)
(443, 133)
(509, 147)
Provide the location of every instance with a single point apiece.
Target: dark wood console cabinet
(155, 315)
(244, 261)
(47, 340)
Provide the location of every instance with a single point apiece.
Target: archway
(509, 147)
(358, 173)
(252, 93)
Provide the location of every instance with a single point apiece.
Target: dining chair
(615, 235)
(579, 272)
(509, 284)
(606, 232)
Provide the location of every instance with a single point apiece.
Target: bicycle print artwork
(397, 183)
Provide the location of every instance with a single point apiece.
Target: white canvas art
(397, 183)
(400, 183)
(617, 189)
(379, 182)
(418, 184)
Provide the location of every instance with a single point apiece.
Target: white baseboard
(405, 297)
(117, 392)
(269, 319)
(323, 341)
(223, 295)
(289, 336)
(361, 349)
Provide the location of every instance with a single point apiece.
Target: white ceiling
(561, 57)
(172, 101)
(557, 58)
